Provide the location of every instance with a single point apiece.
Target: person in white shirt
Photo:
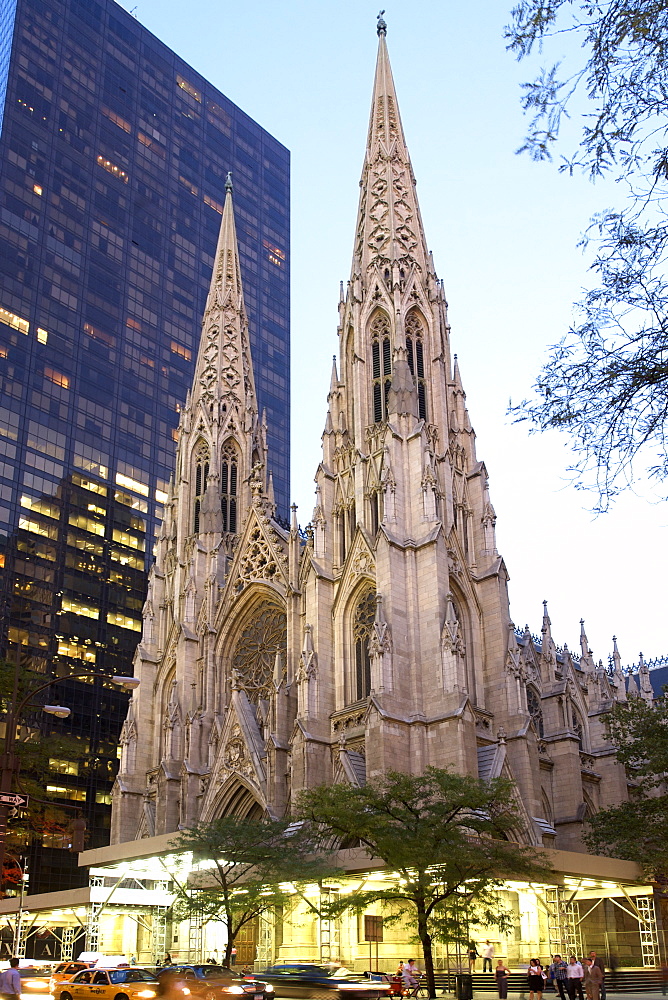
(574, 977)
(10, 981)
(487, 956)
(410, 973)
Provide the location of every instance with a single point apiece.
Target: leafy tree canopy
(606, 383)
(638, 829)
(244, 867)
(442, 837)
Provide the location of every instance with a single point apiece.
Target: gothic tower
(403, 581)
(188, 694)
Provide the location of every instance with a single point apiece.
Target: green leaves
(638, 829)
(445, 839)
(606, 382)
(243, 868)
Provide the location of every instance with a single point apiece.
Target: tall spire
(224, 369)
(389, 228)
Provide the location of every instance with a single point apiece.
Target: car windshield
(131, 976)
(216, 971)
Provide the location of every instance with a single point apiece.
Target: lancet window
(201, 476)
(415, 353)
(381, 358)
(229, 480)
(363, 619)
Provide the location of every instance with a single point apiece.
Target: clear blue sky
(504, 233)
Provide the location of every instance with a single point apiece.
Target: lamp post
(9, 762)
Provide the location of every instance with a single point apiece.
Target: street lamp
(9, 761)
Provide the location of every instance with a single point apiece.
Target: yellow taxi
(110, 984)
(64, 971)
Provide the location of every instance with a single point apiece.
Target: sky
(504, 234)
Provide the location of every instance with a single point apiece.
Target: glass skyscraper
(113, 159)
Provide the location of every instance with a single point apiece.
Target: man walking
(10, 981)
(487, 956)
(574, 977)
(593, 977)
(557, 972)
(600, 964)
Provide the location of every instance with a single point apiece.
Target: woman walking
(502, 974)
(535, 976)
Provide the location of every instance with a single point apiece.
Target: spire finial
(228, 181)
(381, 27)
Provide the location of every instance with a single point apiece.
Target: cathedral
(272, 659)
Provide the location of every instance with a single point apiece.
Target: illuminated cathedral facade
(272, 659)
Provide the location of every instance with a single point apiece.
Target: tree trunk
(230, 944)
(425, 940)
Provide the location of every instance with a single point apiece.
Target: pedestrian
(557, 972)
(487, 956)
(167, 960)
(400, 969)
(10, 981)
(599, 963)
(574, 977)
(473, 954)
(535, 977)
(593, 977)
(502, 975)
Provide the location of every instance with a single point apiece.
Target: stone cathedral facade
(273, 660)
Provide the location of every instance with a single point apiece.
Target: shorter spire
(334, 379)
(228, 182)
(381, 26)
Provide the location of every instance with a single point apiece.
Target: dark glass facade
(113, 158)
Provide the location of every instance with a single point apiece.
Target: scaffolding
(264, 955)
(195, 937)
(563, 923)
(328, 929)
(67, 944)
(159, 934)
(649, 938)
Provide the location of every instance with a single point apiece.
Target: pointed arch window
(381, 365)
(578, 728)
(229, 484)
(415, 352)
(363, 619)
(201, 476)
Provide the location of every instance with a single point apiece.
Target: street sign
(12, 799)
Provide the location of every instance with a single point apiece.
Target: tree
(441, 836)
(606, 382)
(638, 828)
(244, 868)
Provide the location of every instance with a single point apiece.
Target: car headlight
(145, 993)
(234, 989)
(185, 990)
(31, 984)
(268, 988)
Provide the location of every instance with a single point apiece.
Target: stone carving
(451, 636)
(381, 635)
(353, 720)
(258, 562)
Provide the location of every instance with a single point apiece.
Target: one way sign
(12, 799)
